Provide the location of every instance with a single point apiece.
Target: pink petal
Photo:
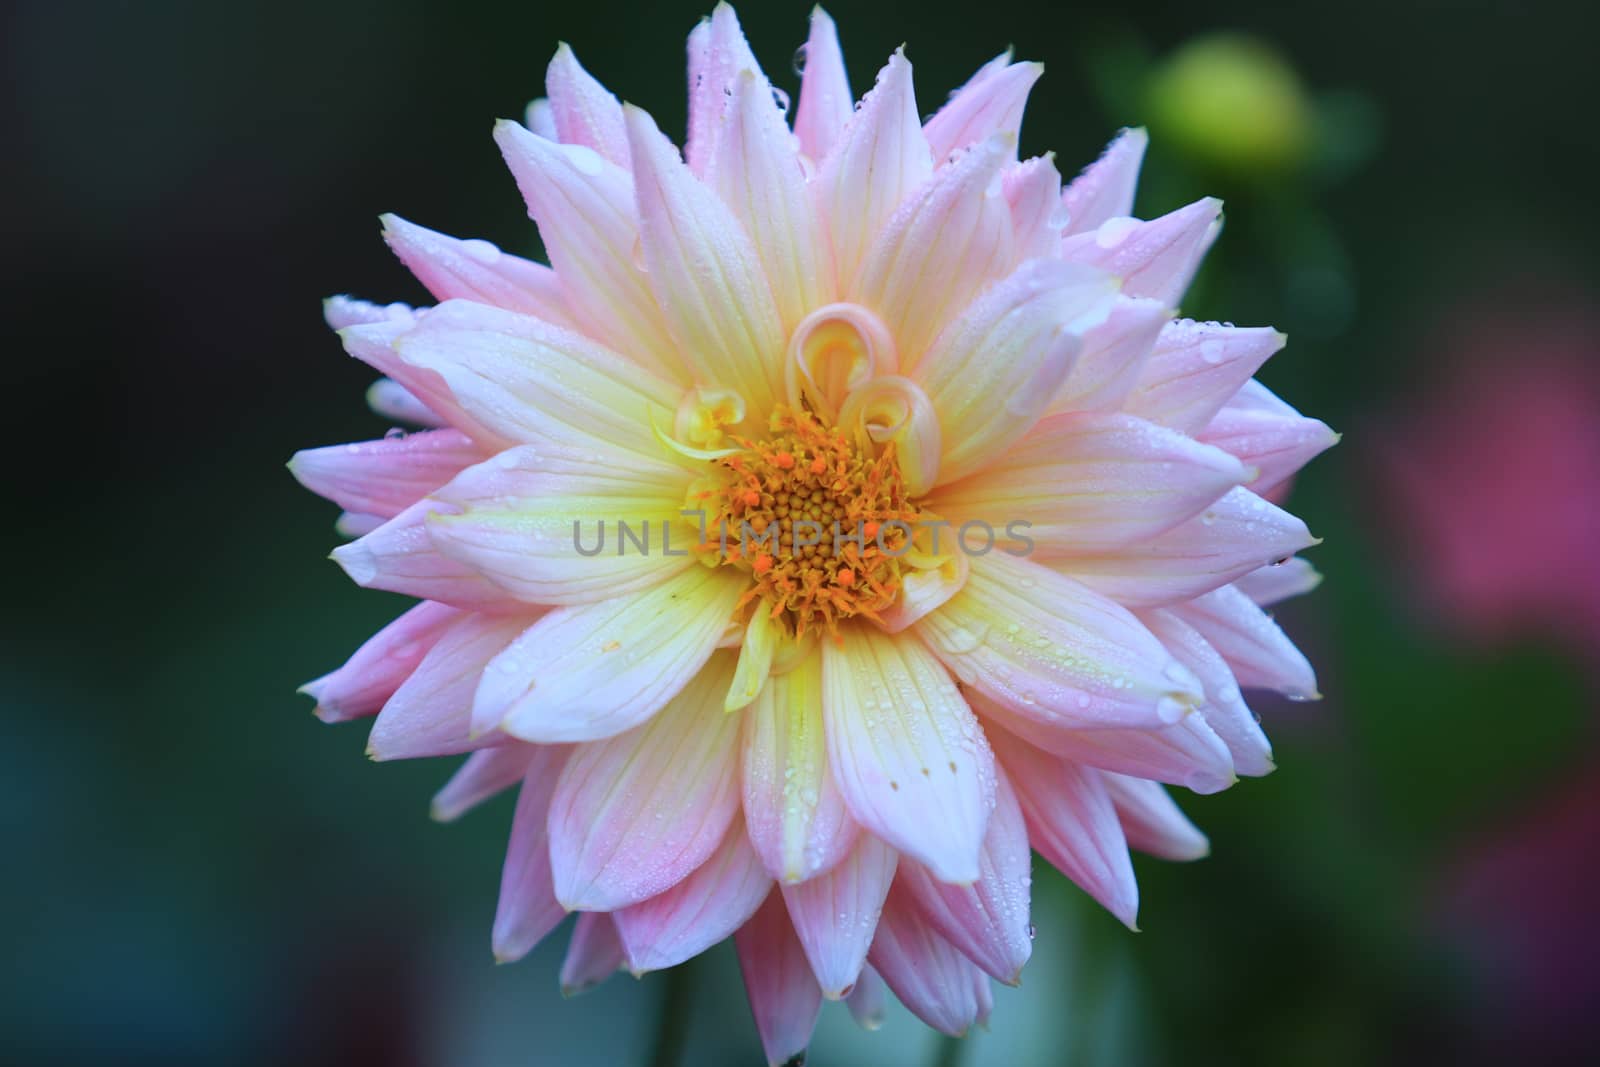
(784, 998)
(1224, 709)
(718, 51)
(758, 176)
(937, 983)
(699, 911)
(594, 670)
(633, 815)
(400, 557)
(705, 273)
(868, 1000)
(1279, 581)
(584, 207)
(1254, 646)
(529, 382)
(1033, 191)
(536, 521)
(528, 910)
(988, 920)
(476, 270)
(878, 158)
(1114, 356)
(1152, 822)
(370, 677)
(583, 111)
(825, 103)
(341, 311)
(939, 249)
(1073, 824)
(1277, 445)
(796, 815)
(392, 400)
(1093, 481)
(1187, 753)
(1156, 258)
(992, 102)
(1105, 188)
(1195, 368)
(485, 774)
(1233, 537)
(373, 344)
(593, 954)
(993, 370)
(431, 714)
(1052, 651)
(384, 477)
(906, 751)
(835, 913)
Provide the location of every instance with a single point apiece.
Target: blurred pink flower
(1494, 475)
(841, 758)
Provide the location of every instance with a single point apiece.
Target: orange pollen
(801, 512)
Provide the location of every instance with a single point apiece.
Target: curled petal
(384, 477)
(633, 815)
(926, 589)
(878, 158)
(594, 953)
(1152, 822)
(476, 270)
(704, 272)
(833, 351)
(992, 102)
(906, 750)
(993, 370)
(1254, 646)
(935, 981)
(1055, 652)
(1195, 367)
(892, 409)
(1233, 537)
(431, 714)
(528, 910)
(988, 920)
(794, 812)
(784, 997)
(370, 677)
(1157, 258)
(1105, 188)
(485, 774)
(1073, 824)
(593, 670)
(940, 248)
(703, 909)
(582, 111)
(836, 913)
(825, 103)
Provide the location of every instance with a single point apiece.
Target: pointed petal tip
(358, 562)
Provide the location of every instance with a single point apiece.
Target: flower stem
(673, 1025)
(950, 1052)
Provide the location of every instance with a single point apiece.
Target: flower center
(819, 523)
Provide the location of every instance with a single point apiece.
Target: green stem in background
(950, 1051)
(672, 1028)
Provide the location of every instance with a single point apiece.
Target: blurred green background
(200, 873)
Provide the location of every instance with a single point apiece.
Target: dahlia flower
(841, 516)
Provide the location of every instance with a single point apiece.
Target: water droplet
(393, 433)
(781, 98)
(1113, 232)
(584, 158)
(1212, 352)
(485, 252)
(799, 61)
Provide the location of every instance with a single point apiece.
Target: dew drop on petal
(485, 252)
(799, 61)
